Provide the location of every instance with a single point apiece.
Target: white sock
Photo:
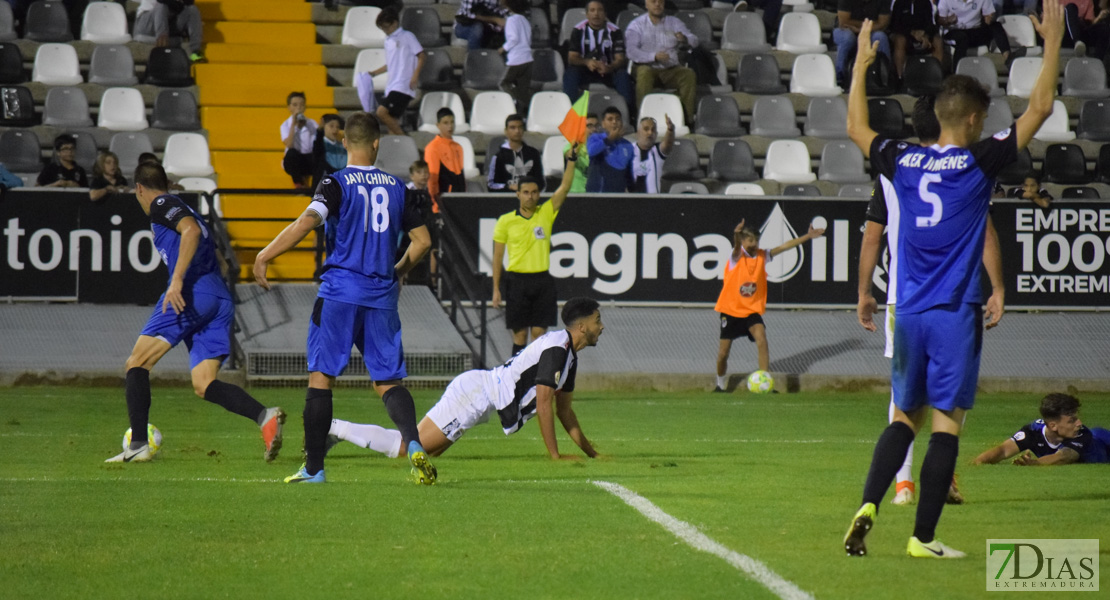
(906, 472)
(378, 439)
(722, 381)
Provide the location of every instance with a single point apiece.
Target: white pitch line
(686, 532)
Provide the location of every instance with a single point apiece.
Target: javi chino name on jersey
(368, 177)
(946, 163)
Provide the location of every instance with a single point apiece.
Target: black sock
(317, 422)
(936, 477)
(399, 405)
(234, 399)
(890, 453)
(137, 390)
(517, 348)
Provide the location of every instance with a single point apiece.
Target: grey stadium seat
(699, 24)
(1085, 78)
(424, 24)
(688, 187)
(981, 68)
(807, 190)
(7, 23)
(547, 70)
(483, 70)
(600, 101)
(842, 162)
(774, 117)
(494, 145)
(396, 154)
(744, 32)
(541, 27)
(175, 109)
(1094, 121)
(47, 22)
(682, 162)
(19, 151)
(86, 149)
(758, 73)
(438, 73)
(718, 116)
(66, 106)
(1080, 193)
(128, 145)
(855, 190)
(999, 117)
(732, 161)
(827, 118)
(112, 66)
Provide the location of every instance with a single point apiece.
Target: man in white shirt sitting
(972, 23)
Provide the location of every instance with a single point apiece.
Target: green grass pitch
(774, 477)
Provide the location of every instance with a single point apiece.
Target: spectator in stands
(517, 50)
(445, 159)
(610, 155)
(1084, 27)
(420, 194)
(474, 22)
(63, 171)
(913, 31)
(8, 180)
(165, 22)
(404, 59)
(329, 154)
(297, 133)
(850, 15)
(581, 166)
(107, 178)
(1031, 190)
(653, 42)
(771, 11)
(597, 55)
(972, 23)
(647, 161)
(514, 159)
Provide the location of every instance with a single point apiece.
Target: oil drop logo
(776, 230)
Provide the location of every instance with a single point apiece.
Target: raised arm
(287, 239)
(868, 260)
(187, 247)
(992, 262)
(668, 138)
(859, 128)
(1044, 89)
(560, 194)
(570, 422)
(811, 234)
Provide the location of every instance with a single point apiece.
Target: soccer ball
(153, 436)
(761, 382)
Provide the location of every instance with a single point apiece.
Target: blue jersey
(1032, 438)
(941, 198)
(203, 274)
(365, 211)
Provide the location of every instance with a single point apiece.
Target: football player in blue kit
(365, 211)
(940, 200)
(196, 309)
(1057, 438)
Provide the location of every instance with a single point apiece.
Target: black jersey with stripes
(550, 360)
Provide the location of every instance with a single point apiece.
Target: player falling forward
(942, 196)
(1057, 438)
(366, 211)
(201, 316)
(516, 391)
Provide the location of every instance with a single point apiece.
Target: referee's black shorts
(734, 327)
(529, 300)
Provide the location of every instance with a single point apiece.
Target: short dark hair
(612, 110)
(151, 175)
(328, 118)
(594, 115)
(418, 165)
(578, 308)
(526, 179)
(1054, 406)
(444, 112)
(387, 16)
(514, 117)
(64, 140)
(149, 157)
(960, 96)
(289, 98)
(925, 124)
(362, 129)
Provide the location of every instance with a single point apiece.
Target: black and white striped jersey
(549, 360)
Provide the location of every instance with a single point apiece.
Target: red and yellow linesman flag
(574, 125)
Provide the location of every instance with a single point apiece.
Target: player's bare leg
(390, 123)
(236, 400)
(147, 352)
(759, 332)
(723, 350)
(520, 339)
(435, 442)
(537, 332)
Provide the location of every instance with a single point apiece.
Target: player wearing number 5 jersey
(364, 211)
(940, 201)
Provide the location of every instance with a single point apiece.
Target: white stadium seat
(369, 60)
(658, 105)
(187, 156)
(128, 146)
(470, 166)
(57, 64)
(360, 29)
(105, 23)
(1055, 129)
(488, 112)
(432, 102)
(814, 75)
(744, 189)
(788, 162)
(547, 111)
(553, 160)
(800, 33)
(1023, 73)
(122, 109)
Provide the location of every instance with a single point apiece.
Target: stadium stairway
(259, 51)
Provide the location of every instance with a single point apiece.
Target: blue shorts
(376, 332)
(1100, 452)
(204, 326)
(936, 358)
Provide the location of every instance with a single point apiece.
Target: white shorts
(464, 404)
(889, 350)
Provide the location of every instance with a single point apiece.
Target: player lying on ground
(196, 309)
(523, 387)
(1057, 438)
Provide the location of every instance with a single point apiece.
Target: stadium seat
(168, 67)
(1102, 165)
(981, 68)
(112, 66)
(87, 151)
(682, 161)
(1094, 121)
(105, 23)
(1016, 172)
(788, 162)
(743, 189)
(1055, 128)
(396, 153)
(18, 106)
(804, 190)
(360, 29)
(881, 80)
(699, 24)
(999, 117)
(718, 116)
(722, 77)
(122, 109)
(855, 190)
(128, 147)
(1080, 193)
(66, 107)
(603, 100)
(483, 70)
(758, 73)
(625, 16)
(827, 118)
(774, 117)
(814, 75)
(431, 102)
(47, 22)
(438, 73)
(541, 27)
(187, 155)
(488, 112)
(19, 151)
(923, 75)
(424, 24)
(571, 18)
(553, 159)
(7, 23)
(547, 70)
(547, 111)
(175, 110)
(371, 59)
(744, 32)
(1085, 78)
(202, 184)
(1019, 29)
(842, 162)
(470, 166)
(800, 33)
(658, 105)
(886, 117)
(688, 187)
(11, 63)
(56, 64)
(1065, 163)
(1023, 73)
(731, 160)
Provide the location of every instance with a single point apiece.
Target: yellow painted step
(253, 32)
(265, 94)
(256, 53)
(255, 10)
(252, 118)
(253, 163)
(271, 207)
(291, 265)
(246, 180)
(256, 234)
(295, 77)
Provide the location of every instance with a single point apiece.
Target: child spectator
(1031, 190)
(404, 58)
(444, 157)
(297, 133)
(63, 171)
(328, 151)
(518, 53)
(514, 159)
(107, 178)
(419, 194)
